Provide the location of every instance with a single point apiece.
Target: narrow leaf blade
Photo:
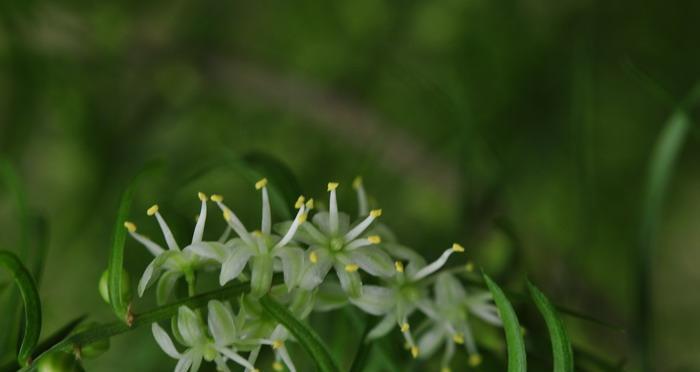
(517, 361)
(561, 345)
(307, 338)
(32, 304)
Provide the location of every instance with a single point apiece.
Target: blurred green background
(521, 128)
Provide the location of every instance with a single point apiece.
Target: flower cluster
(304, 251)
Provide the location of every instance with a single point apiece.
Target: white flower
(404, 293)
(450, 319)
(260, 248)
(199, 345)
(334, 243)
(175, 262)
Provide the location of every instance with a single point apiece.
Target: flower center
(337, 244)
(209, 353)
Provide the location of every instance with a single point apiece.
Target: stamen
(458, 339)
(313, 257)
(217, 198)
(277, 344)
(434, 266)
(152, 210)
(300, 202)
(310, 204)
(300, 217)
(333, 208)
(277, 366)
(362, 205)
(266, 224)
(405, 327)
(201, 219)
(152, 247)
(351, 268)
(399, 266)
(457, 247)
(415, 351)
(130, 226)
(362, 226)
(202, 196)
(234, 222)
(260, 184)
(167, 234)
(474, 360)
(374, 239)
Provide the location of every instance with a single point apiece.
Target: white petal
(210, 250)
(374, 261)
(166, 283)
(164, 341)
(383, 327)
(235, 357)
(315, 272)
(292, 264)
(375, 300)
(145, 280)
(190, 327)
(184, 364)
(221, 323)
(234, 264)
(431, 340)
(448, 290)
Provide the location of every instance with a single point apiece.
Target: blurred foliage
(522, 128)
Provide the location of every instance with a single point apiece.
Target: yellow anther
(313, 257)
(405, 327)
(130, 226)
(457, 248)
(375, 213)
(202, 196)
(257, 233)
(277, 344)
(445, 369)
(310, 204)
(217, 198)
(474, 360)
(332, 186)
(357, 182)
(277, 366)
(399, 266)
(260, 184)
(414, 352)
(227, 214)
(303, 217)
(458, 339)
(351, 268)
(152, 210)
(300, 202)
(374, 239)
(469, 267)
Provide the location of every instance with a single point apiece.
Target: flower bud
(126, 286)
(59, 362)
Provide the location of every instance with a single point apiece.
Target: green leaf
(165, 312)
(117, 295)
(665, 153)
(32, 304)
(307, 338)
(517, 361)
(561, 346)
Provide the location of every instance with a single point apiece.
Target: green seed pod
(126, 286)
(59, 362)
(94, 349)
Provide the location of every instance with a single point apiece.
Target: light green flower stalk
(403, 293)
(449, 319)
(261, 248)
(334, 243)
(200, 346)
(175, 262)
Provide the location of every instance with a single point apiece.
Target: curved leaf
(307, 338)
(561, 345)
(517, 361)
(120, 304)
(32, 304)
